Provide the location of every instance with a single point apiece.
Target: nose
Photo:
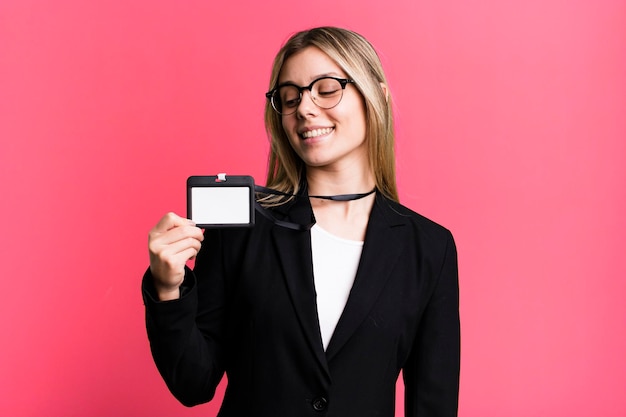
(307, 106)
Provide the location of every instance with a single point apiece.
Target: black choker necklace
(295, 226)
(344, 197)
(339, 197)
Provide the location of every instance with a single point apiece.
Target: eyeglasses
(326, 93)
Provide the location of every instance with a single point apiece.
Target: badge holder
(221, 201)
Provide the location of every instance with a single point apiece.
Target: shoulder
(422, 225)
(428, 240)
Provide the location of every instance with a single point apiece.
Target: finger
(165, 252)
(189, 253)
(170, 221)
(183, 245)
(170, 269)
(172, 257)
(176, 234)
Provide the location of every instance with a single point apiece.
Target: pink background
(511, 123)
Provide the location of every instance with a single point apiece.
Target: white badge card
(221, 200)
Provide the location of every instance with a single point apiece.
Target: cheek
(288, 125)
(355, 113)
(357, 123)
(290, 128)
(363, 124)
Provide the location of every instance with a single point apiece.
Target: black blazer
(249, 310)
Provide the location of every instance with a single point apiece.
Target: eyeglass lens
(325, 93)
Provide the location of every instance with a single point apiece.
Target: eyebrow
(326, 74)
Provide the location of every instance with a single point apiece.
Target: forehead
(308, 64)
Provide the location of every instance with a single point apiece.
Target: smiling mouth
(316, 132)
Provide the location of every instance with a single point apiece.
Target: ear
(385, 91)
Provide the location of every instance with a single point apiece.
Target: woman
(321, 319)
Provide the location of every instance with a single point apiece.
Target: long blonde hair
(358, 59)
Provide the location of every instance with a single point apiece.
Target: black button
(320, 403)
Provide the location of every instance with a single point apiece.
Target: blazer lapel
(385, 228)
(294, 251)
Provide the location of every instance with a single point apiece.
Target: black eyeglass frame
(342, 81)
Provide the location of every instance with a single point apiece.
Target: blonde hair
(358, 59)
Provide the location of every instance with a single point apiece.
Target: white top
(335, 262)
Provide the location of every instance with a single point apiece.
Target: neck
(347, 219)
(329, 182)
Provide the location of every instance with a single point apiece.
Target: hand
(171, 243)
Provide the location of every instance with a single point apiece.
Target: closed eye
(328, 93)
(291, 103)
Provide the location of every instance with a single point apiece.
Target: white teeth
(316, 132)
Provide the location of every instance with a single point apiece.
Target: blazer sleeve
(431, 374)
(186, 339)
